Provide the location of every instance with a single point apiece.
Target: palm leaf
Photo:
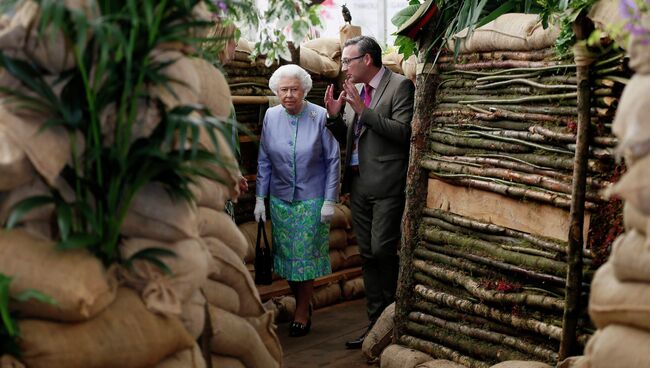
(152, 255)
(21, 208)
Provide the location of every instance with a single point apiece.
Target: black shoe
(358, 342)
(297, 329)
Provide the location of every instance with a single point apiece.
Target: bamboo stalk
(455, 277)
(574, 251)
(438, 236)
(494, 229)
(505, 174)
(560, 200)
(440, 351)
(493, 337)
(497, 239)
(535, 55)
(496, 264)
(526, 82)
(528, 324)
(473, 347)
(250, 100)
(549, 97)
(488, 144)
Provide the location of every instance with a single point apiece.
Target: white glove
(327, 212)
(260, 211)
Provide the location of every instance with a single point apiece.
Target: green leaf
(8, 323)
(26, 205)
(28, 294)
(78, 240)
(403, 15)
(503, 9)
(152, 255)
(64, 219)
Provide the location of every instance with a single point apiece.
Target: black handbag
(263, 258)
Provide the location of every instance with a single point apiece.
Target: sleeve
(263, 181)
(337, 126)
(332, 159)
(397, 127)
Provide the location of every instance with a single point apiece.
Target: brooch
(312, 115)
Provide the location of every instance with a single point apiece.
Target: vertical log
(568, 344)
(416, 180)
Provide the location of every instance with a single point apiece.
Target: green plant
(9, 331)
(114, 73)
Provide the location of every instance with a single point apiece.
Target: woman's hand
(327, 212)
(260, 210)
(333, 106)
(243, 184)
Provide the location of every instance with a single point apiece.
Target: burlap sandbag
(630, 257)
(14, 165)
(188, 358)
(338, 239)
(214, 92)
(614, 302)
(75, 279)
(579, 361)
(341, 219)
(326, 295)
(249, 229)
(161, 292)
(216, 224)
(147, 118)
(327, 46)
(352, 256)
(393, 61)
(193, 314)
(184, 83)
(512, 31)
(7, 361)
(398, 356)
(266, 328)
(317, 64)
(353, 289)
(347, 32)
(619, 346)
(221, 296)
(230, 270)
(439, 363)
(211, 194)
(221, 361)
(283, 308)
(227, 170)
(51, 50)
(632, 122)
(126, 334)
(521, 364)
(381, 334)
(352, 238)
(633, 219)
(234, 336)
(409, 66)
(336, 259)
(155, 215)
(604, 14)
(48, 150)
(634, 186)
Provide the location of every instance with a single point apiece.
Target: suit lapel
(381, 88)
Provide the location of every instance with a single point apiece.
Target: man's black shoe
(358, 342)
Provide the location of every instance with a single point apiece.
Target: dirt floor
(325, 344)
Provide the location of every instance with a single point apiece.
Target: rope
(582, 55)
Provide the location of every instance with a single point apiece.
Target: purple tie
(367, 95)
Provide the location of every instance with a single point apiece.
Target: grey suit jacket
(385, 137)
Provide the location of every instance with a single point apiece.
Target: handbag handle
(262, 230)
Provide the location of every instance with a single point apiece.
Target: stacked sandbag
(380, 335)
(619, 303)
(398, 356)
(322, 57)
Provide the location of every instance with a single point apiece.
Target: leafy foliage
(9, 331)
(113, 75)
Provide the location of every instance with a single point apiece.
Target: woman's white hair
(290, 71)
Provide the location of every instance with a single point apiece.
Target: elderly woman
(298, 169)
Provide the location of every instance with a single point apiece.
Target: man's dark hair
(367, 45)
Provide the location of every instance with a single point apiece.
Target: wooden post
(568, 344)
(416, 184)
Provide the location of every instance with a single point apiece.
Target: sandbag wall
(490, 267)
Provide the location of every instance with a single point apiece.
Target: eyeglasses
(347, 61)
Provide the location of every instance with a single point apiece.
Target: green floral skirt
(300, 240)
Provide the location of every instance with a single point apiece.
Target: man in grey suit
(377, 109)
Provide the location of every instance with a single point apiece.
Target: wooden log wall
(489, 263)
(249, 86)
